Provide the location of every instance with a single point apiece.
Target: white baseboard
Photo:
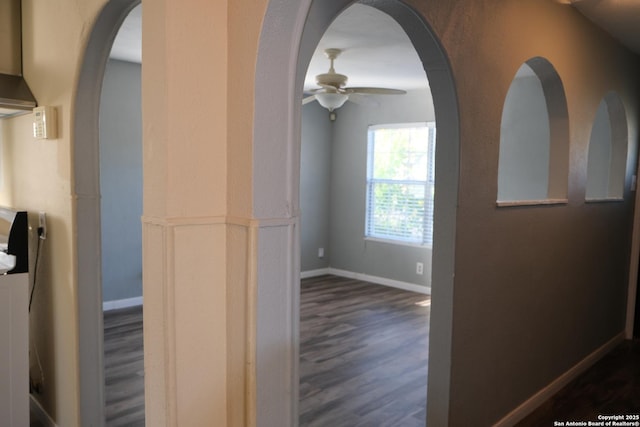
(121, 303)
(547, 392)
(315, 273)
(39, 414)
(367, 278)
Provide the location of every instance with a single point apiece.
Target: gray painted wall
(121, 181)
(532, 290)
(537, 289)
(349, 250)
(315, 186)
(333, 175)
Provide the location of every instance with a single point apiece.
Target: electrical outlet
(35, 386)
(419, 268)
(42, 225)
(320, 252)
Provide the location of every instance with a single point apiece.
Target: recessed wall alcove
(534, 138)
(607, 151)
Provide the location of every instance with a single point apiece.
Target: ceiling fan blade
(308, 99)
(329, 88)
(375, 91)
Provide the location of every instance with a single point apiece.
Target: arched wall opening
(607, 158)
(372, 136)
(534, 137)
(87, 209)
(276, 196)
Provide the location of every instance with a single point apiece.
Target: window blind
(400, 183)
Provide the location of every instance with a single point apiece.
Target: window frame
(426, 240)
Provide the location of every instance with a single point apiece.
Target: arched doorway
(280, 55)
(87, 209)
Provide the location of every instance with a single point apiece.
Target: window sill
(396, 242)
(543, 202)
(605, 200)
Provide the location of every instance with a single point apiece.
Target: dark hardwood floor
(363, 362)
(610, 387)
(363, 354)
(124, 367)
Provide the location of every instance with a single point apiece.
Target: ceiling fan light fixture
(331, 101)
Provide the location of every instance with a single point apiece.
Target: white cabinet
(14, 350)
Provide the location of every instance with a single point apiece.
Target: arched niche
(607, 158)
(534, 137)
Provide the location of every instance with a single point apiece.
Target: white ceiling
(377, 52)
(620, 18)
(128, 43)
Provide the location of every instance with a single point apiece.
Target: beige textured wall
(186, 207)
(38, 178)
(197, 112)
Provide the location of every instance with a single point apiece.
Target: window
(400, 182)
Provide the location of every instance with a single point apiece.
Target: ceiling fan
(332, 93)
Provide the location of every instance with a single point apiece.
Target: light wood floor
(363, 354)
(124, 367)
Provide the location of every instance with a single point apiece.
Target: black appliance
(14, 237)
